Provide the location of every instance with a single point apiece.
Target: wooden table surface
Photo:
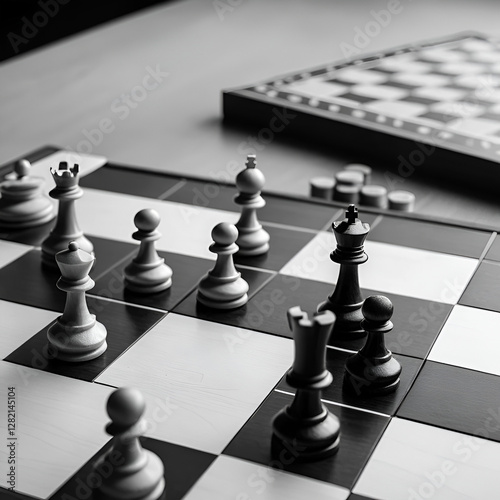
(63, 93)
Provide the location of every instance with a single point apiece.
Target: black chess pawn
(306, 428)
(252, 238)
(67, 191)
(147, 273)
(128, 471)
(223, 287)
(373, 371)
(346, 300)
(22, 202)
(76, 335)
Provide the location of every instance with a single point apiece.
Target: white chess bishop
(252, 238)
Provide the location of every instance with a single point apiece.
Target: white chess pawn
(22, 202)
(252, 238)
(136, 473)
(223, 287)
(147, 273)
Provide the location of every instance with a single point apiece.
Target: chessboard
(433, 107)
(213, 380)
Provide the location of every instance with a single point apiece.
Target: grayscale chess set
(312, 343)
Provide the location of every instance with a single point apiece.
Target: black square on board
(124, 324)
(236, 317)
(361, 99)
(419, 100)
(416, 322)
(494, 251)
(339, 81)
(187, 272)
(360, 433)
(388, 404)
(283, 245)
(296, 213)
(206, 194)
(483, 289)
(400, 85)
(26, 281)
(438, 117)
(128, 181)
(183, 467)
(430, 236)
(33, 236)
(455, 398)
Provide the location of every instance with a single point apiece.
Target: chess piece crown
(350, 234)
(74, 264)
(66, 177)
(250, 183)
(310, 362)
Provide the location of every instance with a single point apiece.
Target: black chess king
(346, 300)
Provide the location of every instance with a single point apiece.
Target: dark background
(72, 16)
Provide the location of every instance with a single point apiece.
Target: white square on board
(230, 478)
(20, 323)
(10, 251)
(380, 91)
(185, 229)
(316, 88)
(59, 426)
(414, 460)
(202, 380)
(397, 109)
(470, 338)
(390, 268)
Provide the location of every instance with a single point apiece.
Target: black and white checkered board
(444, 94)
(213, 380)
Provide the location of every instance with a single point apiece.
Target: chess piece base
(365, 377)
(348, 321)
(252, 242)
(76, 344)
(146, 289)
(305, 439)
(355, 387)
(147, 483)
(147, 278)
(26, 214)
(218, 304)
(253, 252)
(218, 292)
